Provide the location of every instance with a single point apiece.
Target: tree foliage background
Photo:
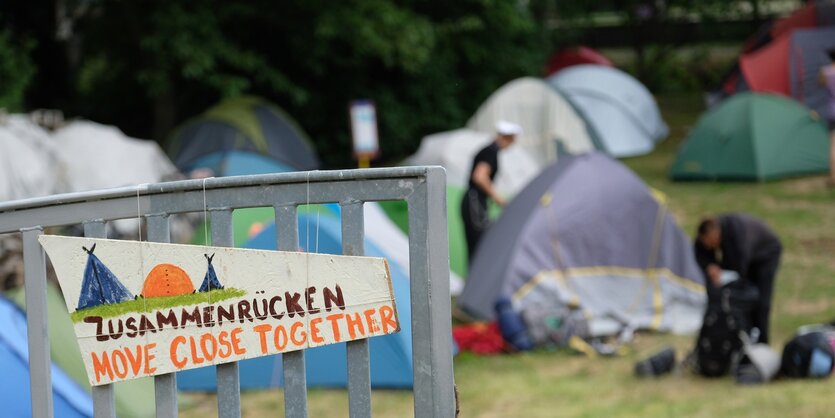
(146, 66)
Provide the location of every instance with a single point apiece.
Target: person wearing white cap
(483, 171)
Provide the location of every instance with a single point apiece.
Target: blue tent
(69, 399)
(100, 285)
(237, 163)
(210, 281)
(391, 355)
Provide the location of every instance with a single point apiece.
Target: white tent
(621, 109)
(454, 150)
(544, 114)
(100, 157)
(380, 230)
(29, 164)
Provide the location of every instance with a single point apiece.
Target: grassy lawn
(162, 302)
(552, 384)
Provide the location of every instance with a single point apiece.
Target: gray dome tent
(588, 233)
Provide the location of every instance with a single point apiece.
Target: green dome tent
(754, 137)
(244, 124)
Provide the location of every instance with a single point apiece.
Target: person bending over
(747, 246)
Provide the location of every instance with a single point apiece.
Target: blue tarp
(391, 355)
(69, 399)
(100, 285)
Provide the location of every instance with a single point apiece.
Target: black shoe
(658, 364)
(747, 374)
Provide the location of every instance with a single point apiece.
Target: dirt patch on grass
(806, 185)
(818, 245)
(805, 307)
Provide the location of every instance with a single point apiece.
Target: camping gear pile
(807, 355)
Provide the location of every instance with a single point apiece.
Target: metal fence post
(228, 375)
(359, 365)
(165, 385)
(40, 378)
(295, 379)
(431, 316)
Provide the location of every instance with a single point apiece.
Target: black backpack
(724, 319)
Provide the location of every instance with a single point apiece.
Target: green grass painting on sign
(150, 304)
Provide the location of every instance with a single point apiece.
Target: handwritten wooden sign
(143, 309)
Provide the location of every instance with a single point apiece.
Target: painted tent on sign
(210, 281)
(100, 285)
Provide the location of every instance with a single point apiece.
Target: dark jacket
(746, 241)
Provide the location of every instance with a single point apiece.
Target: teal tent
(754, 137)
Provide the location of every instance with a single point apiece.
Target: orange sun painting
(167, 280)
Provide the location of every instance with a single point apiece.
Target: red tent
(764, 65)
(767, 69)
(567, 57)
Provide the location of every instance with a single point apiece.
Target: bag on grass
(808, 355)
(724, 320)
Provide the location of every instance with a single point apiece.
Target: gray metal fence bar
(422, 187)
(40, 379)
(104, 399)
(228, 375)
(359, 367)
(73, 209)
(295, 378)
(165, 385)
(431, 322)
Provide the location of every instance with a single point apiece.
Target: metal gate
(423, 188)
